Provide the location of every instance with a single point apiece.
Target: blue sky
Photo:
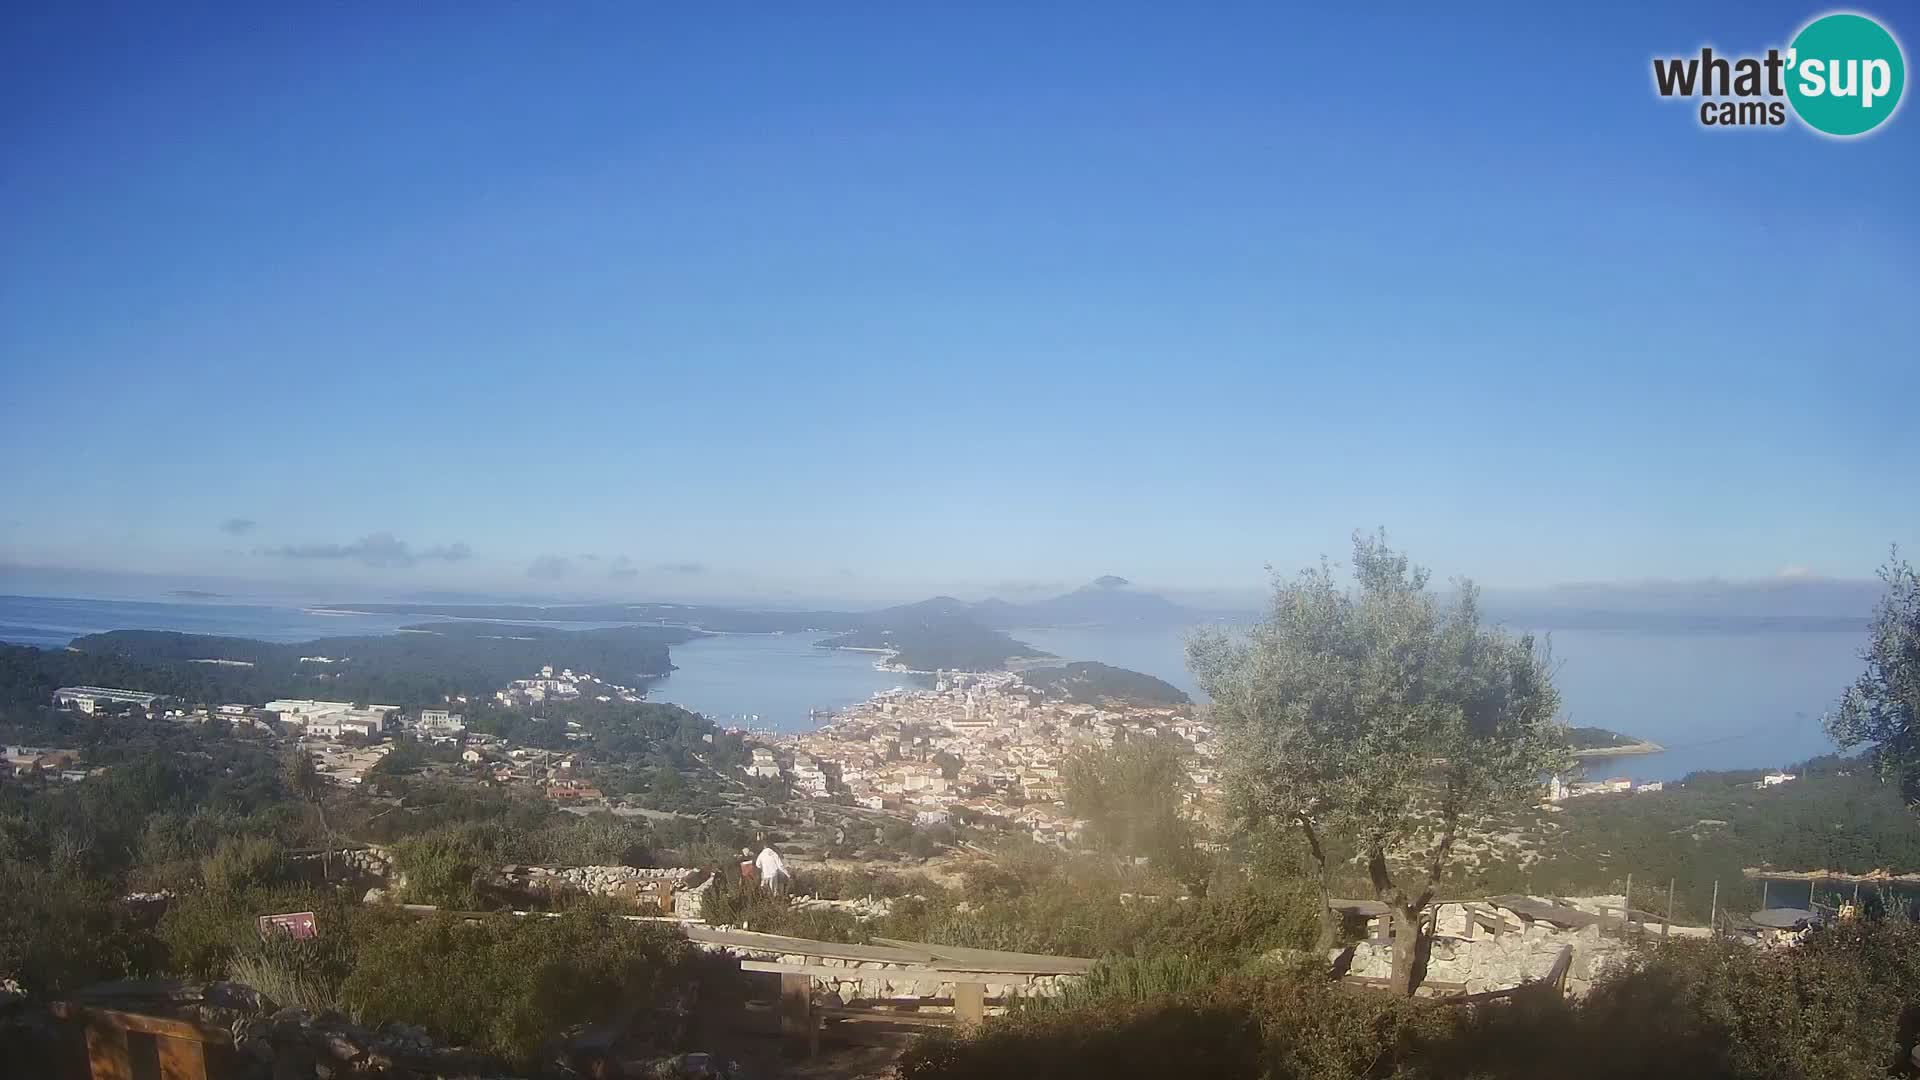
(610, 300)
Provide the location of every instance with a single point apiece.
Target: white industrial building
(88, 698)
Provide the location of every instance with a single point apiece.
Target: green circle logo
(1845, 74)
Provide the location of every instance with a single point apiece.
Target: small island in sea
(1599, 742)
(1091, 683)
(937, 643)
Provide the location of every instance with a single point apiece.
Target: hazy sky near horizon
(620, 300)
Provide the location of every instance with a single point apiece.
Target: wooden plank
(1564, 917)
(930, 1020)
(957, 958)
(182, 1059)
(823, 971)
(1373, 982)
(141, 1023)
(1494, 926)
(776, 943)
(108, 1055)
(1557, 974)
(969, 1003)
(796, 1005)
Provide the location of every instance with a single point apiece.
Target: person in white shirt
(772, 869)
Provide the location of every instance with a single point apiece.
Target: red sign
(298, 925)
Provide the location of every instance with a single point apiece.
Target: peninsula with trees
(1599, 742)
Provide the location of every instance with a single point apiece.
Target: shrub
(1088, 908)
(205, 934)
(444, 868)
(1128, 979)
(60, 929)
(506, 984)
(307, 973)
(854, 884)
(1112, 1042)
(733, 902)
(242, 865)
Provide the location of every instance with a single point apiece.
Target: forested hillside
(419, 665)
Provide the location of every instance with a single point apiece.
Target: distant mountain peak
(1107, 600)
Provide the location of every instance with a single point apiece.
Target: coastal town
(984, 745)
(972, 746)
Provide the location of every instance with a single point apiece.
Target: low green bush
(507, 985)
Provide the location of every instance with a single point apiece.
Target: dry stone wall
(1468, 952)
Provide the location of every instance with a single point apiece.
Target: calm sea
(772, 681)
(52, 622)
(1716, 699)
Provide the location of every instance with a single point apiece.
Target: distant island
(1106, 601)
(938, 634)
(937, 642)
(1599, 742)
(711, 618)
(1090, 683)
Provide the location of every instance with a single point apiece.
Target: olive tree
(1882, 708)
(1132, 796)
(1385, 717)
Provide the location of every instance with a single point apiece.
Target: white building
(763, 766)
(88, 698)
(304, 711)
(366, 723)
(1776, 779)
(440, 722)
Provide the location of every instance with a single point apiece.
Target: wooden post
(1667, 926)
(1763, 894)
(796, 1005)
(1810, 886)
(182, 1059)
(1713, 916)
(969, 1003)
(108, 1056)
(1626, 905)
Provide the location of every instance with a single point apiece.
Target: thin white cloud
(382, 549)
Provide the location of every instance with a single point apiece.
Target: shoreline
(1629, 750)
(1871, 876)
